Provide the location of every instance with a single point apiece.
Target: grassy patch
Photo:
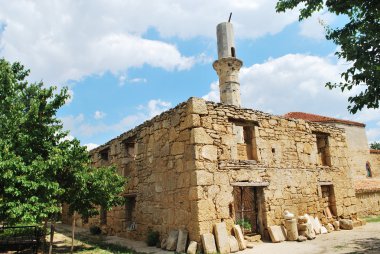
(372, 219)
(86, 244)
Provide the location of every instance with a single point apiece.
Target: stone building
(202, 162)
(367, 189)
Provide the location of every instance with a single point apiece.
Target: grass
(86, 244)
(104, 248)
(372, 219)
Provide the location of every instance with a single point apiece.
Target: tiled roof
(367, 185)
(374, 151)
(320, 119)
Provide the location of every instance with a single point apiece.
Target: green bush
(95, 230)
(14, 232)
(244, 224)
(152, 238)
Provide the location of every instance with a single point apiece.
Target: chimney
(227, 66)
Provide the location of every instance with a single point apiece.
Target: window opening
(130, 156)
(104, 154)
(130, 213)
(328, 201)
(323, 149)
(246, 142)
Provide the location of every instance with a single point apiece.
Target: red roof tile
(374, 151)
(367, 185)
(320, 119)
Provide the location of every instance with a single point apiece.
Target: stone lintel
(324, 183)
(250, 184)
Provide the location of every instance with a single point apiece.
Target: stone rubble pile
(307, 227)
(302, 228)
(219, 242)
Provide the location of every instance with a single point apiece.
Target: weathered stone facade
(190, 167)
(375, 163)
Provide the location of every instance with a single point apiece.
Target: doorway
(249, 209)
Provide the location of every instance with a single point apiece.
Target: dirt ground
(364, 239)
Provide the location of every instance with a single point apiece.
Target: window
(323, 152)
(245, 136)
(130, 206)
(104, 154)
(130, 149)
(129, 156)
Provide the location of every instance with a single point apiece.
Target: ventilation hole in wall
(233, 52)
(273, 150)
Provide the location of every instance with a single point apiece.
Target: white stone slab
(221, 237)
(171, 242)
(234, 245)
(317, 226)
(239, 237)
(277, 233)
(182, 241)
(208, 242)
(192, 249)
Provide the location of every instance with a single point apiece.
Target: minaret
(227, 66)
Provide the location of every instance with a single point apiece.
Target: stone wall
(184, 164)
(375, 163)
(368, 203)
(156, 157)
(358, 149)
(287, 159)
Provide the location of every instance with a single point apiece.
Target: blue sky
(126, 61)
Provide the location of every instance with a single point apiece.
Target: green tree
(39, 167)
(375, 145)
(359, 42)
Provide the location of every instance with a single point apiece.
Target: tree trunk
(44, 244)
(52, 228)
(73, 233)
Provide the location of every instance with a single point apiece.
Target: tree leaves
(39, 168)
(359, 41)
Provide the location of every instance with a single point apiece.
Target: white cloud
(99, 115)
(295, 82)
(138, 80)
(156, 107)
(91, 146)
(79, 126)
(313, 27)
(71, 97)
(69, 40)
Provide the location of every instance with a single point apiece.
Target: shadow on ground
(365, 246)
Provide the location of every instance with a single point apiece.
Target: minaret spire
(227, 66)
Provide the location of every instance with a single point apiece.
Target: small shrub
(244, 224)
(95, 230)
(152, 238)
